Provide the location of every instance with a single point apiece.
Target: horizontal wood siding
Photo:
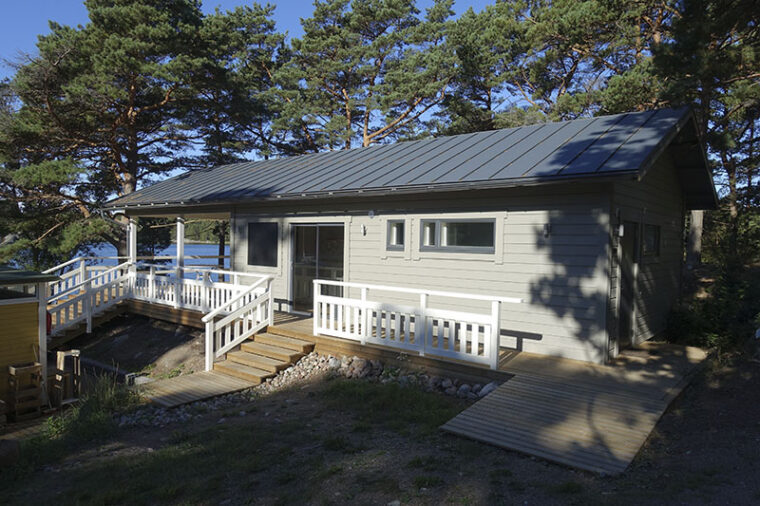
(655, 200)
(18, 338)
(562, 277)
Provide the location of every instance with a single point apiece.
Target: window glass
(461, 235)
(17, 291)
(428, 233)
(395, 234)
(651, 240)
(262, 244)
(476, 234)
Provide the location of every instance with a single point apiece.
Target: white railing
(89, 298)
(461, 335)
(242, 316)
(160, 284)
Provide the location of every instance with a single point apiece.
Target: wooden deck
(173, 392)
(583, 415)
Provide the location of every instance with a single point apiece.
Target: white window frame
(440, 233)
(389, 244)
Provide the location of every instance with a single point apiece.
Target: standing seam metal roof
(589, 147)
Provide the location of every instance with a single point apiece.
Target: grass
(90, 419)
(390, 405)
(425, 481)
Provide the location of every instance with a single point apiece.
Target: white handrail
(235, 299)
(88, 281)
(418, 291)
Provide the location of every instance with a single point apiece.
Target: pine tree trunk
(694, 244)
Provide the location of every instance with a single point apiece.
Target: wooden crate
(24, 391)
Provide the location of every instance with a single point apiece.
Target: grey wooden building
(580, 220)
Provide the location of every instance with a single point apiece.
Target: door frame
(627, 219)
(292, 255)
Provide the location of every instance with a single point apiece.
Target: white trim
(20, 300)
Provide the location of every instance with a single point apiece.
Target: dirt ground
(139, 344)
(353, 442)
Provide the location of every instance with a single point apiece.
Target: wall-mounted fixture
(547, 229)
(371, 214)
(620, 230)
(364, 229)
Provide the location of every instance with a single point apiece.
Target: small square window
(651, 240)
(395, 235)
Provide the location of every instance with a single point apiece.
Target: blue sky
(23, 20)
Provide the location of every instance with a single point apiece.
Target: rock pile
(309, 367)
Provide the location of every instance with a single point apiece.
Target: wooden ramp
(586, 416)
(173, 392)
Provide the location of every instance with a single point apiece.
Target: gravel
(309, 367)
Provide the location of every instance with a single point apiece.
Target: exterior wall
(18, 337)
(563, 277)
(655, 200)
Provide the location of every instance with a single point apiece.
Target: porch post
(180, 242)
(132, 253)
(180, 261)
(42, 296)
(132, 240)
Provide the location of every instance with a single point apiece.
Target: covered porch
(232, 306)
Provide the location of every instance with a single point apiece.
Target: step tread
(267, 350)
(258, 361)
(235, 369)
(285, 342)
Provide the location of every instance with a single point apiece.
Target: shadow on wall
(576, 289)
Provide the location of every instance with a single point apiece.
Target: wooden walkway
(173, 392)
(583, 415)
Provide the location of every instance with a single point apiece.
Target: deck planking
(588, 416)
(194, 387)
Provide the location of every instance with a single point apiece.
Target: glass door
(318, 254)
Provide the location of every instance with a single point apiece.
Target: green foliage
(392, 405)
(726, 318)
(365, 71)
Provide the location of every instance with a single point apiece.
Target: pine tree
(364, 72)
(100, 109)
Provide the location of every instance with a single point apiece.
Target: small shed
(23, 320)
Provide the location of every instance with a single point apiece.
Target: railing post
(131, 280)
(152, 283)
(423, 316)
(87, 303)
(317, 292)
(177, 287)
(210, 345)
(365, 316)
(205, 293)
(82, 271)
(270, 315)
(495, 333)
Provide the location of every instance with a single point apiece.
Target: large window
(651, 240)
(395, 235)
(476, 236)
(262, 244)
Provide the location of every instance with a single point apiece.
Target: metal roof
(11, 276)
(605, 146)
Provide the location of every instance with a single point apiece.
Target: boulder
(490, 387)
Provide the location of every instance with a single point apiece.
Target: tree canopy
(147, 87)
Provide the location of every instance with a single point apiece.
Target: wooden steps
(263, 357)
(275, 352)
(258, 361)
(282, 341)
(245, 372)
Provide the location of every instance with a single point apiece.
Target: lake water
(108, 250)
